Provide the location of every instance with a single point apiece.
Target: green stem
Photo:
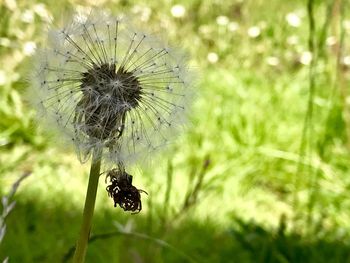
(80, 250)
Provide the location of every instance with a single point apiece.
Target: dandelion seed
(110, 86)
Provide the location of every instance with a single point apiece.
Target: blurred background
(261, 173)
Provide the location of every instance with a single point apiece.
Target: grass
(261, 199)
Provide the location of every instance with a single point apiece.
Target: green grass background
(277, 139)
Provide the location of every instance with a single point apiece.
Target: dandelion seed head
(106, 84)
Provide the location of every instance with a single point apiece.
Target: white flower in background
(178, 11)
(305, 58)
(107, 85)
(212, 57)
(29, 48)
(222, 20)
(293, 19)
(272, 61)
(233, 26)
(254, 31)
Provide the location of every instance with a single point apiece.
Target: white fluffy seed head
(106, 84)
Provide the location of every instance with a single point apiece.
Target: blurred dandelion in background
(29, 48)
(346, 61)
(272, 61)
(222, 20)
(212, 57)
(107, 85)
(305, 58)
(254, 31)
(178, 11)
(331, 41)
(293, 20)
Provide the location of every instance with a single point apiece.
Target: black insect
(123, 192)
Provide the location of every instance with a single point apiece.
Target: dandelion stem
(81, 246)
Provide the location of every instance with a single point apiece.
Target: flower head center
(115, 92)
